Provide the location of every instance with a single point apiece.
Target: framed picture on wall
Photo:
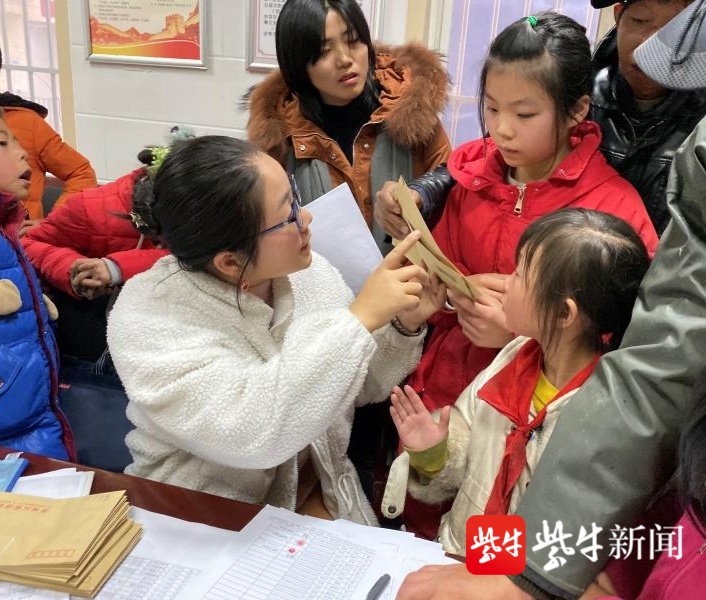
(262, 20)
(167, 33)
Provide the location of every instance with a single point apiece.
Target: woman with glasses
(243, 354)
(341, 109)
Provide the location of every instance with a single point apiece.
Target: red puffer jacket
(88, 225)
(482, 223)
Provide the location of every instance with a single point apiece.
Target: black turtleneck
(343, 123)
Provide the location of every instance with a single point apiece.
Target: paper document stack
(69, 545)
(62, 483)
(281, 554)
(426, 251)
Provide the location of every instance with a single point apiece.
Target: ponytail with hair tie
(152, 157)
(141, 214)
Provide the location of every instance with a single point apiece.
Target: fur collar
(414, 91)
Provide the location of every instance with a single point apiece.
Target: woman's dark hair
(692, 457)
(301, 27)
(554, 53)
(591, 257)
(207, 198)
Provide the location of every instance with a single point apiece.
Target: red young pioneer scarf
(510, 393)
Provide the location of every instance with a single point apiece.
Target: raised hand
(417, 429)
(392, 288)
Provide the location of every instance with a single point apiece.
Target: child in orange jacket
(46, 153)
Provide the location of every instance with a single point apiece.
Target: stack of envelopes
(71, 545)
(426, 251)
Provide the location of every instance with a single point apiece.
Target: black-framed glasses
(295, 216)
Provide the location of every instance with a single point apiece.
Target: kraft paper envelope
(426, 250)
(70, 545)
(63, 573)
(90, 584)
(30, 527)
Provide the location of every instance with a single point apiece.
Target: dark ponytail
(592, 257)
(553, 51)
(141, 213)
(208, 199)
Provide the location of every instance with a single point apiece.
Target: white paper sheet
(10, 591)
(340, 233)
(281, 555)
(62, 483)
(169, 555)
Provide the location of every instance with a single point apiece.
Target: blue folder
(10, 471)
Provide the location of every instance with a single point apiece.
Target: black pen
(379, 587)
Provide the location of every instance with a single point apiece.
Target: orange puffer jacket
(46, 153)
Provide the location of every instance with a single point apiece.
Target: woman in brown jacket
(341, 110)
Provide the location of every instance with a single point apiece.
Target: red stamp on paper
(495, 545)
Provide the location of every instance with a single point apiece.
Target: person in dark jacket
(642, 122)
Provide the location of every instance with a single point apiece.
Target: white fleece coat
(476, 444)
(223, 401)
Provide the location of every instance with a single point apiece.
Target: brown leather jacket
(414, 90)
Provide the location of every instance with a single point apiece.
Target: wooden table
(163, 498)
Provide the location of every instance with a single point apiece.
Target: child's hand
(418, 431)
(26, 225)
(90, 278)
(483, 320)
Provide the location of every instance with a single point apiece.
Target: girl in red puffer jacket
(88, 247)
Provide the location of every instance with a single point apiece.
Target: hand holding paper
(391, 288)
(426, 250)
(483, 320)
(388, 212)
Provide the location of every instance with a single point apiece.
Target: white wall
(121, 108)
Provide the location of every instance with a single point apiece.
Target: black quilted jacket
(641, 145)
